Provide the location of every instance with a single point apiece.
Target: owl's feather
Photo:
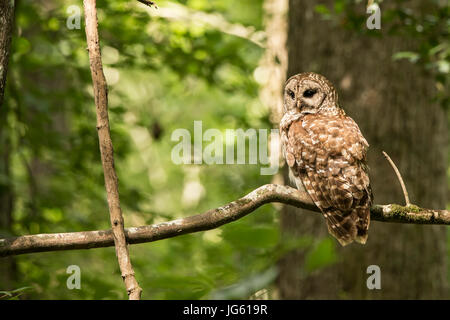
(326, 154)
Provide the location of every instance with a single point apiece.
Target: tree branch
(209, 220)
(148, 3)
(399, 177)
(182, 13)
(107, 152)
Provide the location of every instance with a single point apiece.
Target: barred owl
(326, 155)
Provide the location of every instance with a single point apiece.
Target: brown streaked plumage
(326, 155)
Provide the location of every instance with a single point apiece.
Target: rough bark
(7, 265)
(6, 29)
(107, 152)
(392, 103)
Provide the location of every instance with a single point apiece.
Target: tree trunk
(6, 28)
(7, 265)
(391, 102)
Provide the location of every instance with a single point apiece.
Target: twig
(182, 13)
(149, 3)
(107, 152)
(206, 221)
(400, 179)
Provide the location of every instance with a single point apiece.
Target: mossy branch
(209, 220)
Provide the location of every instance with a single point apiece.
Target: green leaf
(13, 294)
(246, 287)
(411, 56)
(22, 45)
(323, 255)
(339, 6)
(322, 9)
(257, 236)
(443, 66)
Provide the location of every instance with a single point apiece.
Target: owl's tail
(362, 222)
(349, 226)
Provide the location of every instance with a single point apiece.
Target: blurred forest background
(222, 62)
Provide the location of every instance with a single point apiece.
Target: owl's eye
(291, 94)
(309, 93)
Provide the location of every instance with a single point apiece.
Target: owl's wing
(328, 156)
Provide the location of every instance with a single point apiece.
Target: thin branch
(399, 176)
(107, 152)
(178, 12)
(209, 220)
(149, 3)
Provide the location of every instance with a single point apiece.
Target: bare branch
(107, 152)
(148, 3)
(209, 220)
(178, 12)
(399, 176)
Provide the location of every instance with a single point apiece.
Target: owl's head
(309, 93)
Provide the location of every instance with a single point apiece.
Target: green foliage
(247, 286)
(320, 256)
(162, 74)
(13, 294)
